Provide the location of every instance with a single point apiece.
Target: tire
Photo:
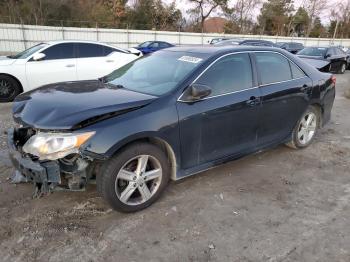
(301, 136)
(342, 68)
(9, 88)
(125, 186)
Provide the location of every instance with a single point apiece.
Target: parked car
(325, 59)
(292, 47)
(59, 61)
(348, 57)
(166, 116)
(229, 42)
(153, 46)
(257, 42)
(218, 39)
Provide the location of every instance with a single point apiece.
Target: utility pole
(335, 30)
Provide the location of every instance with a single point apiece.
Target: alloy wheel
(138, 180)
(307, 128)
(6, 89)
(343, 68)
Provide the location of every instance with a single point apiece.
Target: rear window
(313, 51)
(89, 50)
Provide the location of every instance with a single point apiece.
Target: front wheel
(135, 178)
(9, 88)
(306, 129)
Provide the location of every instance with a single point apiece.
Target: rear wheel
(9, 88)
(306, 129)
(134, 178)
(342, 68)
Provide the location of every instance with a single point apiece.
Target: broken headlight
(53, 146)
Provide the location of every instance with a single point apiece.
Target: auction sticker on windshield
(190, 59)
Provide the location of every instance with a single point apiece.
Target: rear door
(94, 60)
(58, 65)
(224, 123)
(285, 91)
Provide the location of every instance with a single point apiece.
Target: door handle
(253, 101)
(70, 65)
(109, 61)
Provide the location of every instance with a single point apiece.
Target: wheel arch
(15, 78)
(154, 140)
(320, 109)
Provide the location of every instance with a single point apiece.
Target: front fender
(155, 121)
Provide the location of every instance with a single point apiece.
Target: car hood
(4, 61)
(71, 105)
(316, 61)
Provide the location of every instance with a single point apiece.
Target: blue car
(152, 46)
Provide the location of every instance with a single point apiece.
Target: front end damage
(72, 172)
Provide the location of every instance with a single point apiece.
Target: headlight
(53, 146)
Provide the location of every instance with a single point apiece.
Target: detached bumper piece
(46, 175)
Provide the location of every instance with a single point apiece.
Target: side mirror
(196, 92)
(327, 55)
(38, 56)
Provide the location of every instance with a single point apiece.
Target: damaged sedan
(166, 116)
(325, 59)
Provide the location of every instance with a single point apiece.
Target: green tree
(300, 21)
(274, 16)
(318, 29)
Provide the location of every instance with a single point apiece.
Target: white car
(59, 61)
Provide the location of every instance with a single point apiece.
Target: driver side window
(59, 51)
(229, 74)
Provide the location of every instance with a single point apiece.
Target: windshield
(313, 51)
(145, 44)
(28, 52)
(155, 74)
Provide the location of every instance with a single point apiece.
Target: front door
(224, 123)
(58, 65)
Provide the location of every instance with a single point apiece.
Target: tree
(318, 29)
(274, 16)
(314, 8)
(203, 9)
(240, 15)
(300, 21)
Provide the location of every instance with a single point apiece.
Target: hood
(316, 61)
(64, 106)
(4, 61)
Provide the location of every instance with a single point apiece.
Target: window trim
(254, 71)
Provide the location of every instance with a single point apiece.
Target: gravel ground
(279, 205)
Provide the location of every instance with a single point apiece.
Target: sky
(184, 5)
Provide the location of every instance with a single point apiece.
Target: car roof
(216, 50)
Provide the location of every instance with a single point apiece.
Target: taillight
(333, 80)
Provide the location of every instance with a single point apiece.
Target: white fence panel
(16, 37)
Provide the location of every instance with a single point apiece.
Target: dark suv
(166, 116)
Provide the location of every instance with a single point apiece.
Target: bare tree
(314, 8)
(242, 12)
(205, 7)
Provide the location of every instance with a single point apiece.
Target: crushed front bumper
(49, 175)
(44, 174)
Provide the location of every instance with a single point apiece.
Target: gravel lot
(279, 205)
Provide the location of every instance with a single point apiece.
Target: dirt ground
(279, 205)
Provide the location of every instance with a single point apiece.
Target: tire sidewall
(113, 166)
(296, 142)
(14, 84)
